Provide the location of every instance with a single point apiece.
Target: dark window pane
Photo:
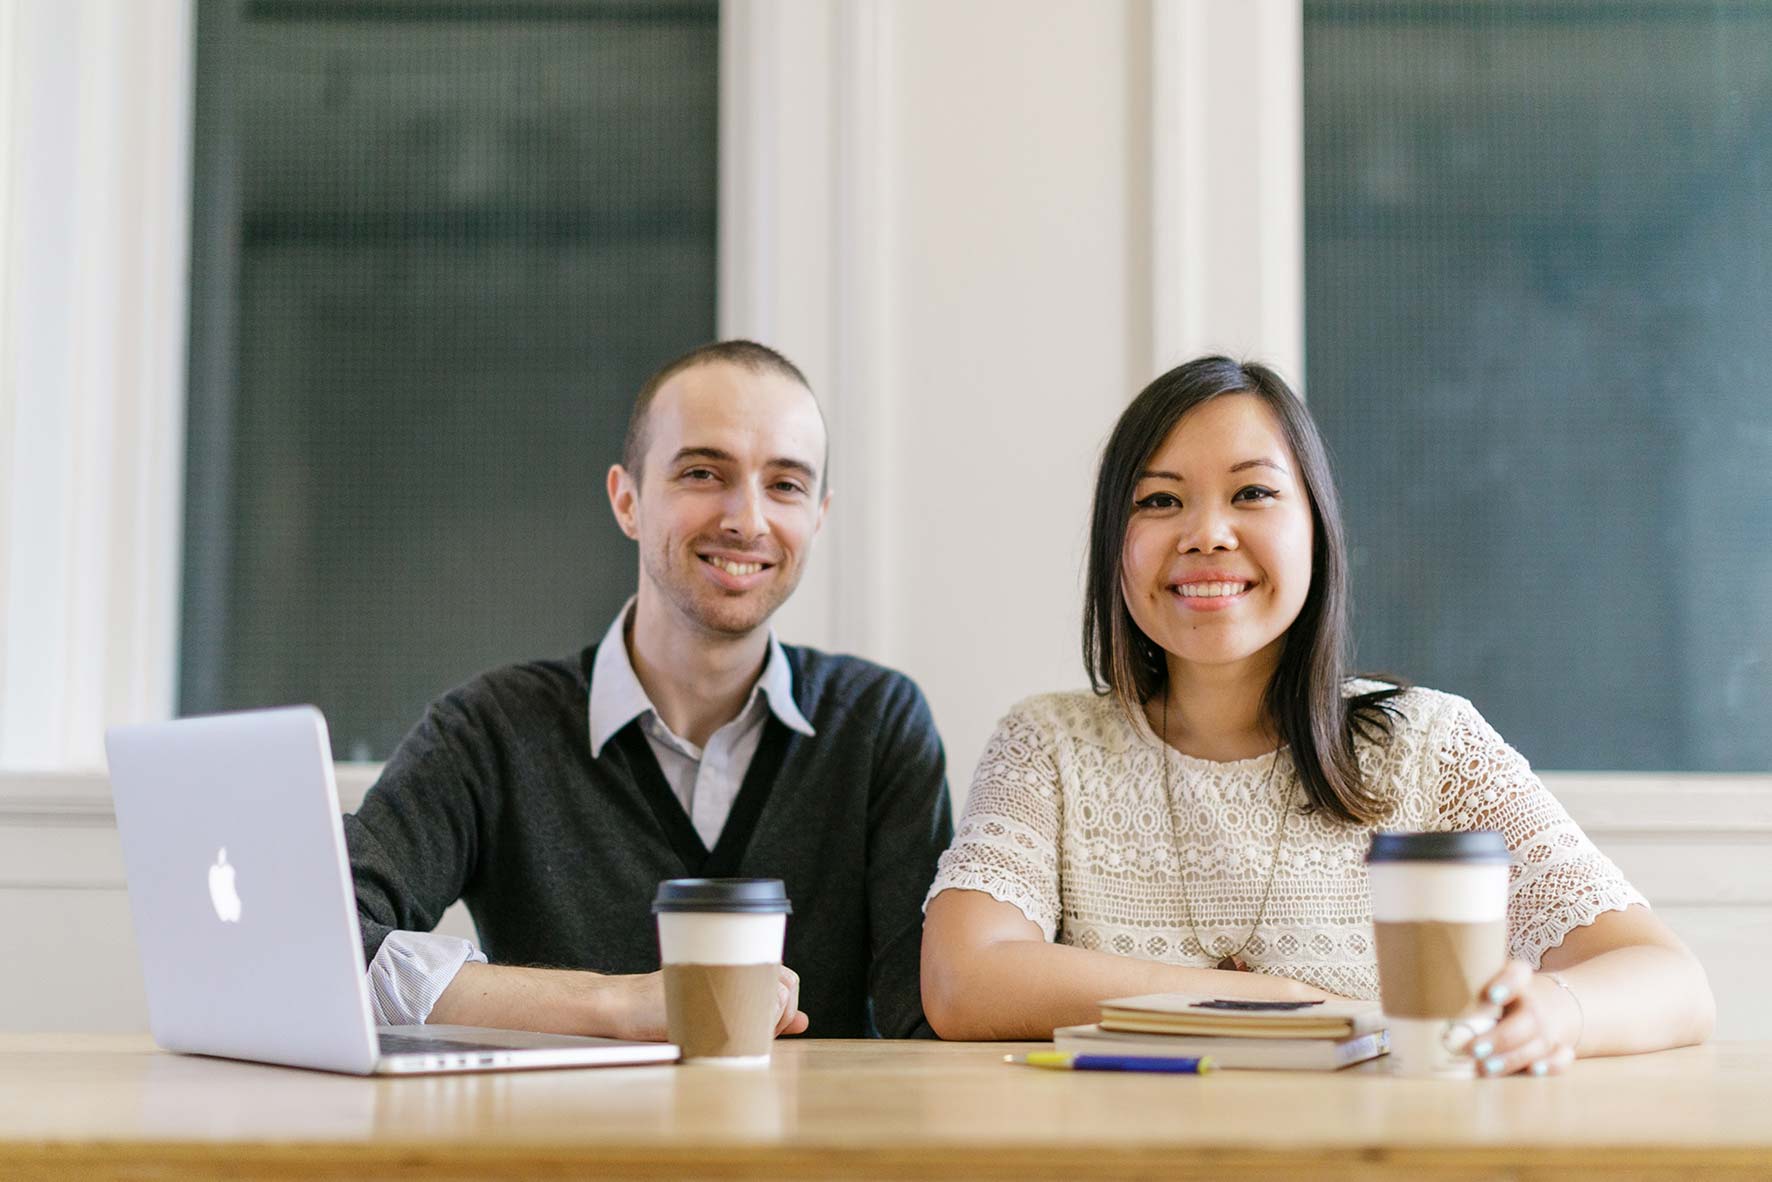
(1539, 268)
(438, 247)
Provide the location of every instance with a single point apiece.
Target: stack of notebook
(1287, 1035)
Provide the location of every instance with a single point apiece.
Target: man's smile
(735, 571)
(734, 568)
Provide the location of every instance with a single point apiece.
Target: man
(554, 796)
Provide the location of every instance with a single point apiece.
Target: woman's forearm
(1017, 989)
(1639, 998)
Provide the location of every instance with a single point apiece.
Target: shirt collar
(617, 697)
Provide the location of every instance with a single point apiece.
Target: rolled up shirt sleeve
(410, 972)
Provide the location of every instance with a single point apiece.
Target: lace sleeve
(1559, 880)
(1007, 841)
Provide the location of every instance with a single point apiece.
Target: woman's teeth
(1209, 590)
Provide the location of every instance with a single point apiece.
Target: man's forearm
(556, 1001)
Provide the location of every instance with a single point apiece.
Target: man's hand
(637, 1005)
(790, 1020)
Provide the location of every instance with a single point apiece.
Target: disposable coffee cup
(1439, 913)
(720, 940)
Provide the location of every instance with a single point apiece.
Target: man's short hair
(742, 353)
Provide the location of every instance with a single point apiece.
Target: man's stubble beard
(706, 605)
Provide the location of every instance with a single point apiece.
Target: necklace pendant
(1234, 964)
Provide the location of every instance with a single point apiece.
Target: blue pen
(1058, 1061)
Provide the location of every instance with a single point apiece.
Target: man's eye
(699, 474)
(1161, 500)
(788, 486)
(1255, 492)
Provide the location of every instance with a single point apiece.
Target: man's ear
(624, 496)
(824, 507)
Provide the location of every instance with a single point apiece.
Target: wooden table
(83, 1106)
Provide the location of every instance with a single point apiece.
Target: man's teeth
(736, 568)
(1209, 590)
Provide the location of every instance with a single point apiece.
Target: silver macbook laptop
(246, 918)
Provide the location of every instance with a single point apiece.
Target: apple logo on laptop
(221, 889)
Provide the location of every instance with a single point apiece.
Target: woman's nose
(1204, 530)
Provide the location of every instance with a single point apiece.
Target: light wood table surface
(84, 1106)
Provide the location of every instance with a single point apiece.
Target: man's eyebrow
(793, 465)
(701, 453)
(726, 457)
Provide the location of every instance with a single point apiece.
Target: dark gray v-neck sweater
(494, 798)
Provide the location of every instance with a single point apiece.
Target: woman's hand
(1539, 1026)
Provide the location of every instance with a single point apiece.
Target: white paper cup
(720, 943)
(1439, 917)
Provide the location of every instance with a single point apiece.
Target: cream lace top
(1068, 820)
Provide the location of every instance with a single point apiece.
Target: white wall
(1019, 327)
(950, 212)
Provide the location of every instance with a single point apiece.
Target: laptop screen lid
(240, 889)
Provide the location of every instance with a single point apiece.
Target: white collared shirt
(412, 969)
(706, 779)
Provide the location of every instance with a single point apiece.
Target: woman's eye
(1161, 500)
(1255, 492)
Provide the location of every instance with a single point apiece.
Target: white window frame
(805, 234)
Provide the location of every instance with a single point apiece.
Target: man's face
(728, 499)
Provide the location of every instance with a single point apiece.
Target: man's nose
(744, 512)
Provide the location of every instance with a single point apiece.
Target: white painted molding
(803, 264)
(749, 160)
(775, 201)
(84, 798)
(1666, 805)
(95, 100)
(10, 106)
(1625, 803)
(1227, 182)
(861, 552)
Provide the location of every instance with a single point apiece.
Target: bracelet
(1580, 1011)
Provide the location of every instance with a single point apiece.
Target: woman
(1208, 808)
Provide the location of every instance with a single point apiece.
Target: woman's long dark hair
(1305, 699)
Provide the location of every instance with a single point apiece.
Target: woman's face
(1218, 551)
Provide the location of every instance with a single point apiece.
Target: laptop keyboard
(417, 1044)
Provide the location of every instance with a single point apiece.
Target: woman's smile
(1211, 591)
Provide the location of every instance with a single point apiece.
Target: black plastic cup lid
(750, 896)
(1461, 845)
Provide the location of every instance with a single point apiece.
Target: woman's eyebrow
(1258, 462)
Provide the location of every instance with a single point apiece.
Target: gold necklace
(1231, 961)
